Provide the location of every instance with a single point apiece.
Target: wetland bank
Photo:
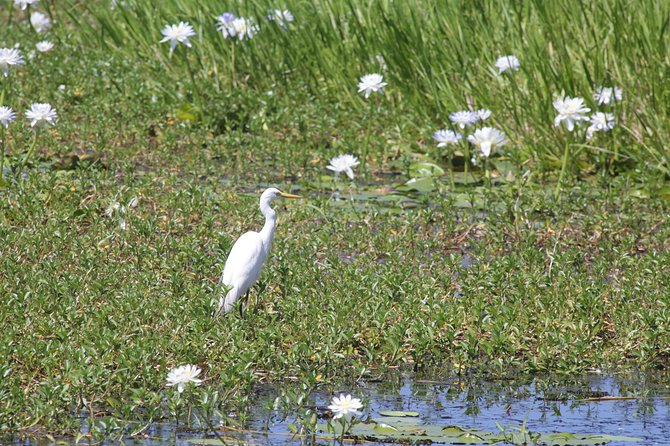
(538, 250)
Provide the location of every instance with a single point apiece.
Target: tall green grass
(440, 58)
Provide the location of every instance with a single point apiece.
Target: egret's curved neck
(268, 231)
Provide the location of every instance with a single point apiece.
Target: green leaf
(419, 170)
(640, 193)
(421, 185)
(188, 112)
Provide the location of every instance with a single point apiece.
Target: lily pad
(398, 413)
(409, 429)
(422, 185)
(419, 170)
(568, 439)
(399, 421)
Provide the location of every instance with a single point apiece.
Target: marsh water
(545, 405)
(636, 405)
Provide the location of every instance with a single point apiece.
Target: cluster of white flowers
(39, 21)
(485, 138)
(241, 28)
(467, 118)
(228, 24)
(607, 95)
(573, 110)
(38, 114)
(11, 58)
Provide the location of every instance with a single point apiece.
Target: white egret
(249, 253)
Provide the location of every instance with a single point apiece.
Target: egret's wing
(245, 262)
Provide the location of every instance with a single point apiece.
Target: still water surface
(545, 405)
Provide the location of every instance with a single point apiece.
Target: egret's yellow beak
(285, 195)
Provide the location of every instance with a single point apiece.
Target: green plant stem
(28, 155)
(193, 83)
(366, 146)
(30, 22)
(4, 143)
(2, 153)
(466, 163)
(211, 428)
(564, 165)
(452, 181)
(233, 83)
(10, 15)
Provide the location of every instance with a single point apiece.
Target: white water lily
(282, 17)
(181, 376)
(371, 82)
(44, 46)
(345, 406)
(486, 139)
(483, 114)
(231, 26)
(117, 210)
(606, 95)
(10, 57)
(41, 114)
(505, 63)
(600, 122)
(23, 4)
(177, 34)
(445, 137)
(343, 163)
(225, 24)
(380, 61)
(40, 22)
(7, 115)
(570, 110)
(464, 118)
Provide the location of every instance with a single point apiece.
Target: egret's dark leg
(243, 303)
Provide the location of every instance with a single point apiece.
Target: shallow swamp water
(635, 405)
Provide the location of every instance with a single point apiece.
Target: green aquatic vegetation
(114, 235)
(409, 428)
(433, 63)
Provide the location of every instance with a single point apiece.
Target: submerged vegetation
(528, 233)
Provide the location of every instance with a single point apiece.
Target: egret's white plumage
(249, 253)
